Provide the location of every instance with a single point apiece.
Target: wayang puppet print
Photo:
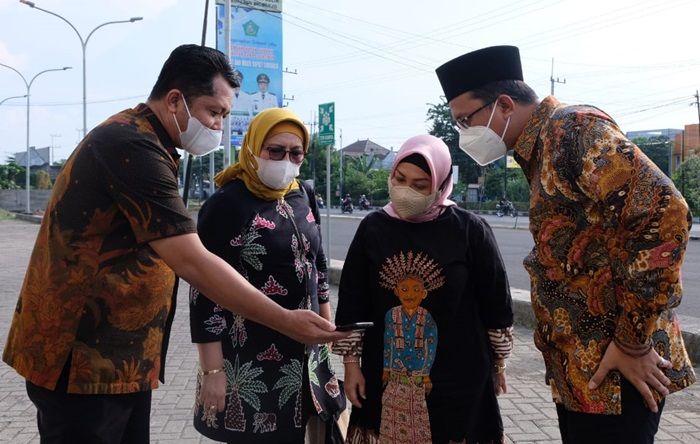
(410, 342)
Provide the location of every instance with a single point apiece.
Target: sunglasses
(296, 155)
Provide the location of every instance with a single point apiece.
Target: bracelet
(350, 360)
(499, 368)
(210, 372)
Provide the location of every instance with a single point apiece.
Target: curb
(525, 317)
(28, 217)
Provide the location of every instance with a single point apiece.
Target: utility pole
(284, 96)
(227, 50)
(340, 183)
(697, 104)
(553, 80)
(52, 158)
(505, 176)
(313, 149)
(682, 160)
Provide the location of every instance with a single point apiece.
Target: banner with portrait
(256, 56)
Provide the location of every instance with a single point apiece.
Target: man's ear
(506, 104)
(173, 99)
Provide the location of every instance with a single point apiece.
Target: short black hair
(192, 69)
(517, 90)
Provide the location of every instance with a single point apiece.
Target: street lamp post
(29, 87)
(83, 43)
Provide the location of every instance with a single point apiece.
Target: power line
(118, 99)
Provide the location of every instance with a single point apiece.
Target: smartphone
(354, 326)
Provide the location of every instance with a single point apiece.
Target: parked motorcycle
(505, 208)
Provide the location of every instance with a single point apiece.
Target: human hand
(307, 327)
(643, 372)
(212, 391)
(499, 383)
(354, 384)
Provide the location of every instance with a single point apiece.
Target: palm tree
(242, 386)
(290, 384)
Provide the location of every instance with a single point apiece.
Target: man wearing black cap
(263, 99)
(610, 233)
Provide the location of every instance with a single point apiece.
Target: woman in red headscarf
(430, 277)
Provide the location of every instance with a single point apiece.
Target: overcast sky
(636, 59)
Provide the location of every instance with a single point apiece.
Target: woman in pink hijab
(430, 277)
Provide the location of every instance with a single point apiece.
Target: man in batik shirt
(610, 233)
(91, 326)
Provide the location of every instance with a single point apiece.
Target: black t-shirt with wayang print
(95, 291)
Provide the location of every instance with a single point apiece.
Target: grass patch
(6, 215)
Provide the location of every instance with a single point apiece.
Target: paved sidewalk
(527, 409)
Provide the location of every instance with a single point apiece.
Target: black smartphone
(354, 326)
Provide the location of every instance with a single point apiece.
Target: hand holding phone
(354, 326)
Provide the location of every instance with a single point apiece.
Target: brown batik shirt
(95, 291)
(610, 233)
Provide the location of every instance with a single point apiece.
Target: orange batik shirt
(610, 233)
(95, 293)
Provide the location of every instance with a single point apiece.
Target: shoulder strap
(310, 197)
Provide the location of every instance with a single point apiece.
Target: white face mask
(408, 202)
(277, 174)
(482, 144)
(197, 138)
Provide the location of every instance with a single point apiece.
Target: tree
(8, 176)
(658, 149)
(687, 180)
(442, 126)
(43, 180)
(517, 189)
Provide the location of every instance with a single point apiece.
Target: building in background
(685, 145)
(670, 133)
(365, 148)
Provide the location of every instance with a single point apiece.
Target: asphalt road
(515, 244)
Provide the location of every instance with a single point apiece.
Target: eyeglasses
(463, 122)
(296, 155)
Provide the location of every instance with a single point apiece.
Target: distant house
(38, 157)
(367, 148)
(39, 160)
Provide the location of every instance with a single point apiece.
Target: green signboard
(326, 123)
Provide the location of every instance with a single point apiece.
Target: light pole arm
(32, 5)
(13, 97)
(42, 72)
(131, 20)
(18, 73)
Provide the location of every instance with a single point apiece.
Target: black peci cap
(262, 77)
(478, 68)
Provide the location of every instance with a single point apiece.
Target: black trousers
(637, 424)
(65, 418)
